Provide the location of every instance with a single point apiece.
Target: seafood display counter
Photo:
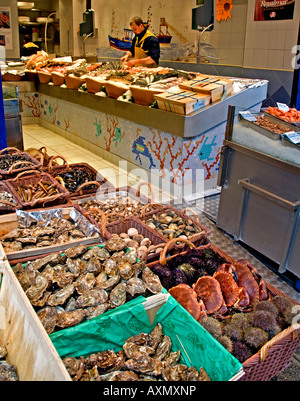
(260, 197)
(170, 146)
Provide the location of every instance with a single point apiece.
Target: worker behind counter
(145, 50)
(29, 48)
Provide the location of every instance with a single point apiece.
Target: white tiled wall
(237, 41)
(269, 44)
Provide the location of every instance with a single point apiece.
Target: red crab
(252, 290)
(187, 298)
(209, 291)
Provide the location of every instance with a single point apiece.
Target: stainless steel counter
(183, 126)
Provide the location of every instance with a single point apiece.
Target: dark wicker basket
(31, 163)
(198, 239)
(122, 226)
(98, 181)
(33, 177)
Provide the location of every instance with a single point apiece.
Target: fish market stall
(177, 145)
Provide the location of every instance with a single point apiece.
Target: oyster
(118, 295)
(92, 298)
(151, 280)
(110, 267)
(76, 266)
(163, 348)
(48, 317)
(141, 339)
(125, 269)
(102, 281)
(62, 276)
(3, 350)
(135, 286)
(76, 251)
(100, 253)
(94, 311)
(157, 335)
(175, 373)
(115, 244)
(106, 359)
(91, 375)
(71, 318)
(125, 376)
(7, 372)
(135, 351)
(172, 358)
(72, 365)
(85, 283)
(52, 259)
(144, 364)
(93, 266)
(59, 297)
(36, 290)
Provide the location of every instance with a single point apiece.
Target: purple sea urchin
(266, 306)
(241, 351)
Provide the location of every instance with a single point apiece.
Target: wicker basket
(276, 354)
(82, 191)
(122, 226)
(33, 177)
(31, 163)
(200, 238)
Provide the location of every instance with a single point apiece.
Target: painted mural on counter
(171, 157)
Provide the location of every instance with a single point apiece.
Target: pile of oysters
(144, 357)
(84, 282)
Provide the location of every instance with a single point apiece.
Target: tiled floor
(36, 137)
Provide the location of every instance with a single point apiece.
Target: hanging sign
(267, 10)
(223, 8)
(5, 28)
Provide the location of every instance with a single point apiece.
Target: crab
(188, 299)
(209, 291)
(262, 287)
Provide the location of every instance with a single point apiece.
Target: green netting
(111, 330)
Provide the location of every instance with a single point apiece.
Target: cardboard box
(217, 87)
(182, 102)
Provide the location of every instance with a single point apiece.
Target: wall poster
(267, 10)
(5, 28)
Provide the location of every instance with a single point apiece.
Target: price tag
(283, 107)
(247, 115)
(293, 137)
